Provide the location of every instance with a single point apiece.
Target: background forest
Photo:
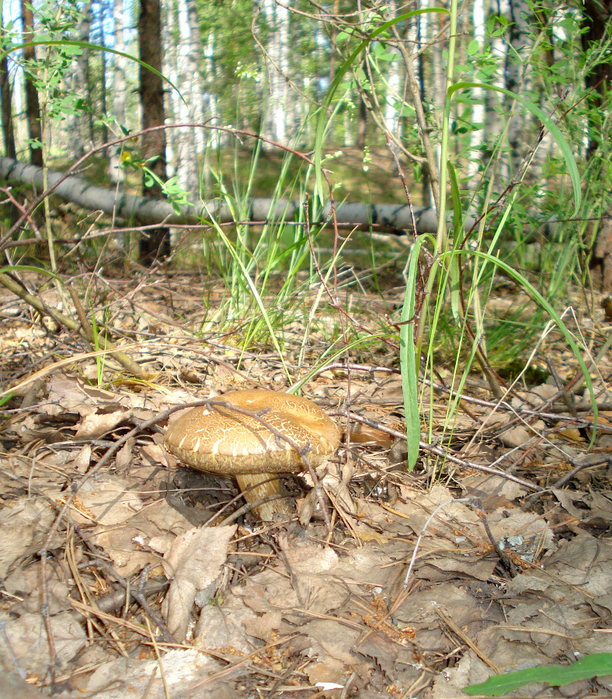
(268, 67)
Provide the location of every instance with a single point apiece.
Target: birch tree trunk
(214, 137)
(517, 70)
(117, 175)
(392, 119)
(171, 97)
(275, 118)
(189, 142)
(101, 20)
(494, 122)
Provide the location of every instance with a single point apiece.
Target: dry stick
(37, 236)
(43, 309)
(578, 466)
(567, 398)
(241, 663)
(159, 660)
(140, 598)
(503, 557)
(115, 600)
(85, 324)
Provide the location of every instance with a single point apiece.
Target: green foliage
(595, 665)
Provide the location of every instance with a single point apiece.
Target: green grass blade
(409, 359)
(253, 289)
(595, 665)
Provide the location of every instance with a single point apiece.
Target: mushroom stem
(263, 486)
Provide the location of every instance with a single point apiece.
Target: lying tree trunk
(387, 217)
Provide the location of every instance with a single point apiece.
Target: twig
(140, 598)
(466, 639)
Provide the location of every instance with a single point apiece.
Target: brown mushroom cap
(229, 443)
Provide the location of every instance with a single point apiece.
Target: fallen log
(133, 208)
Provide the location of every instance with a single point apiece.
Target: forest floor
(493, 555)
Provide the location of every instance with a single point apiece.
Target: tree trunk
(119, 90)
(128, 207)
(477, 136)
(494, 122)
(31, 96)
(597, 15)
(521, 41)
(102, 72)
(156, 244)
(7, 112)
(362, 124)
(214, 137)
(189, 142)
(392, 115)
(277, 18)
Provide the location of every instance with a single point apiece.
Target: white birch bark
(518, 79)
(439, 79)
(392, 120)
(276, 117)
(189, 144)
(129, 207)
(117, 175)
(214, 137)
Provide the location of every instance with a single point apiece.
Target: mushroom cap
(226, 442)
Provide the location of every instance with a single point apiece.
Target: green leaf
(554, 130)
(594, 665)
(473, 48)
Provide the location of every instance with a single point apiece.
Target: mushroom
(224, 441)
